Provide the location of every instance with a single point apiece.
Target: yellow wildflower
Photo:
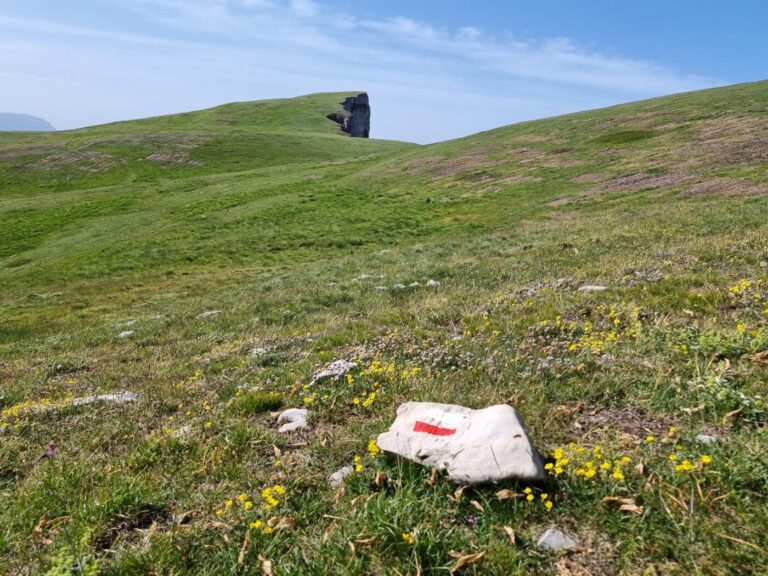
(247, 504)
(255, 525)
(548, 504)
(706, 459)
(408, 537)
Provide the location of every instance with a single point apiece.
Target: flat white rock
(125, 334)
(591, 288)
(334, 370)
(210, 314)
(555, 539)
(114, 398)
(433, 283)
(473, 446)
(293, 419)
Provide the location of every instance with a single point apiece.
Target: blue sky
(434, 69)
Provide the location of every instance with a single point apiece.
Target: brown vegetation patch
(632, 421)
(524, 153)
(440, 167)
(530, 138)
(726, 187)
(562, 163)
(644, 181)
(563, 215)
(589, 178)
(559, 202)
(55, 156)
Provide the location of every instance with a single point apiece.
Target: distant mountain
(23, 123)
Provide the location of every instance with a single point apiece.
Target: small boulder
(125, 334)
(414, 284)
(337, 478)
(293, 419)
(473, 446)
(555, 539)
(433, 283)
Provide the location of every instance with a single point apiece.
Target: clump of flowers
(543, 498)
(409, 537)
(243, 509)
(588, 464)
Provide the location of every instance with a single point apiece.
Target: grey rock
(381, 288)
(555, 539)
(337, 478)
(355, 120)
(126, 323)
(293, 419)
(433, 283)
(210, 314)
(399, 286)
(414, 284)
(763, 264)
(182, 432)
(258, 351)
(706, 439)
(126, 334)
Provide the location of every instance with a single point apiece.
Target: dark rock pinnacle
(356, 118)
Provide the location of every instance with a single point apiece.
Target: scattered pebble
(555, 539)
(337, 478)
(433, 283)
(414, 284)
(210, 314)
(258, 351)
(399, 286)
(126, 334)
(381, 288)
(293, 419)
(182, 432)
(126, 323)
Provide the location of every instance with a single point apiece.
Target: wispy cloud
(421, 77)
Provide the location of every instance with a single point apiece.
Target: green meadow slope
(116, 240)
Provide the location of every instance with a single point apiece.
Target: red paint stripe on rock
(433, 430)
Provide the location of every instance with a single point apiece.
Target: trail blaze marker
(432, 429)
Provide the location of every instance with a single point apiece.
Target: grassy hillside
(290, 230)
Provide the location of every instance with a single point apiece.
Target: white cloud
(422, 79)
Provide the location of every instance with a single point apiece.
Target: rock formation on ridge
(356, 118)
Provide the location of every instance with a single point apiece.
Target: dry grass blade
(266, 566)
(505, 494)
(457, 495)
(464, 561)
(244, 549)
(477, 505)
(623, 504)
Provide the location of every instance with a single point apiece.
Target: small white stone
(293, 419)
(381, 288)
(182, 432)
(337, 478)
(126, 334)
(414, 284)
(126, 323)
(706, 439)
(399, 286)
(433, 283)
(210, 314)
(555, 539)
(591, 288)
(258, 351)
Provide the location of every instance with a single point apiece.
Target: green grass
(266, 213)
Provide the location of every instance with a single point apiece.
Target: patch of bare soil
(559, 202)
(632, 421)
(726, 187)
(127, 526)
(644, 181)
(590, 178)
(523, 153)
